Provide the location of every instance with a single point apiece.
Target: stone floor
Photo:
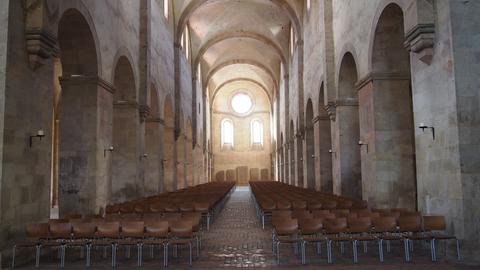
(236, 240)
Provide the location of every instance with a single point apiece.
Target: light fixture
(422, 126)
(143, 156)
(313, 156)
(109, 149)
(40, 134)
(362, 143)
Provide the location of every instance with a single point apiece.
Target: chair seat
(180, 241)
(126, 242)
(339, 238)
(29, 243)
(364, 238)
(104, 242)
(154, 241)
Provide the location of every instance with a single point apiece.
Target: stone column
(153, 160)
(86, 128)
(347, 172)
(126, 154)
(386, 129)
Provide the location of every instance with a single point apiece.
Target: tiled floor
(236, 240)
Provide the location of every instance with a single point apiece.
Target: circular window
(242, 103)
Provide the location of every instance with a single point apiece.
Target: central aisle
(236, 239)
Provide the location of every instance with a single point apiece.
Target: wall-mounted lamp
(332, 152)
(313, 156)
(109, 149)
(40, 134)
(362, 143)
(144, 156)
(422, 126)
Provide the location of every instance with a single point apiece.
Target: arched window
(227, 134)
(308, 5)
(166, 8)
(257, 133)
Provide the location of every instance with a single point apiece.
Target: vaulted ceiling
(239, 40)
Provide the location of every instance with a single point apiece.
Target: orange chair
(36, 236)
(435, 227)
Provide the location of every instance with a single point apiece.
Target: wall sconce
(361, 143)
(144, 156)
(109, 149)
(313, 156)
(40, 134)
(332, 152)
(422, 126)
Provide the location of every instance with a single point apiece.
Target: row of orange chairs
(128, 229)
(308, 229)
(203, 198)
(301, 216)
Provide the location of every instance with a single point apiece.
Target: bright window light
(165, 8)
(242, 103)
(227, 132)
(257, 132)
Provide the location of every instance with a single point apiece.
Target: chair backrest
(410, 223)
(73, 216)
(267, 205)
(84, 230)
(339, 213)
(140, 208)
(182, 228)
(195, 218)
(335, 225)
(434, 223)
(171, 208)
(344, 204)
(286, 227)
(108, 229)
(314, 205)
(310, 226)
(187, 207)
(37, 230)
(384, 224)
(323, 215)
(301, 214)
(112, 209)
(283, 205)
(156, 207)
(202, 207)
(126, 208)
(60, 230)
(299, 205)
(329, 204)
(360, 225)
(156, 229)
(133, 229)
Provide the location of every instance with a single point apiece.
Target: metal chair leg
(278, 252)
(139, 254)
(355, 250)
(329, 251)
(302, 246)
(190, 249)
(406, 250)
(380, 250)
(13, 256)
(88, 248)
(37, 255)
(165, 255)
(62, 256)
(459, 257)
(114, 255)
